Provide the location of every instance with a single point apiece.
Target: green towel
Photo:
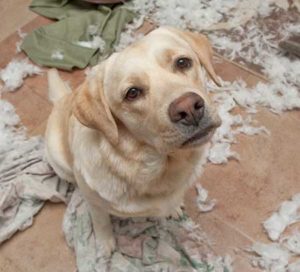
(58, 44)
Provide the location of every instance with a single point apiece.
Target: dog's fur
(127, 157)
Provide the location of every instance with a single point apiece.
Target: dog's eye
(183, 63)
(133, 93)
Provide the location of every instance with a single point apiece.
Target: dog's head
(153, 89)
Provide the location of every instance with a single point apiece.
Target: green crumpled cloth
(75, 19)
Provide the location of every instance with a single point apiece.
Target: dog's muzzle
(189, 114)
(187, 109)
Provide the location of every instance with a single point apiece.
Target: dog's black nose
(187, 109)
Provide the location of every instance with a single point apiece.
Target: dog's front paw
(107, 245)
(177, 213)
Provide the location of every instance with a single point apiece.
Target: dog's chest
(134, 180)
(116, 177)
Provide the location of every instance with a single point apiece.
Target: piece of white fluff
(221, 153)
(10, 136)
(270, 257)
(210, 15)
(276, 256)
(264, 8)
(232, 124)
(129, 36)
(221, 264)
(294, 267)
(22, 35)
(277, 97)
(95, 43)
(292, 243)
(8, 117)
(203, 202)
(257, 45)
(287, 214)
(182, 14)
(57, 54)
(14, 73)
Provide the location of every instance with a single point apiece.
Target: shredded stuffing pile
(282, 255)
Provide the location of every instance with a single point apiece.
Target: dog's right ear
(90, 106)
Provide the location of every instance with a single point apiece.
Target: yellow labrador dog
(133, 135)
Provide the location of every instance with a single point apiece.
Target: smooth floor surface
(247, 191)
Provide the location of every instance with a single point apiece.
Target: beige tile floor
(248, 191)
(14, 13)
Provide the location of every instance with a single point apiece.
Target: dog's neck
(158, 170)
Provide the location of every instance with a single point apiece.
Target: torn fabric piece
(72, 33)
(26, 180)
(144, 244)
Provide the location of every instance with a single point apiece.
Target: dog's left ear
(90, 106)
(202, 48)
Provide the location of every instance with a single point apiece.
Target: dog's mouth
(201, 136)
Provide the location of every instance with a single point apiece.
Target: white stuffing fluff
(277, 256)
(209, 14)
(15, 148)
(270, 257)
(203, 202)
(292, 243)
(286, 215)
(228, 97)
(22, 35)
(126, 39)
(57, 54)
(96, 42)
(15, 72)
(221, 152)
(256, 46)
(221, 264)
(8, 119)
(129, 36)
(294, 267)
